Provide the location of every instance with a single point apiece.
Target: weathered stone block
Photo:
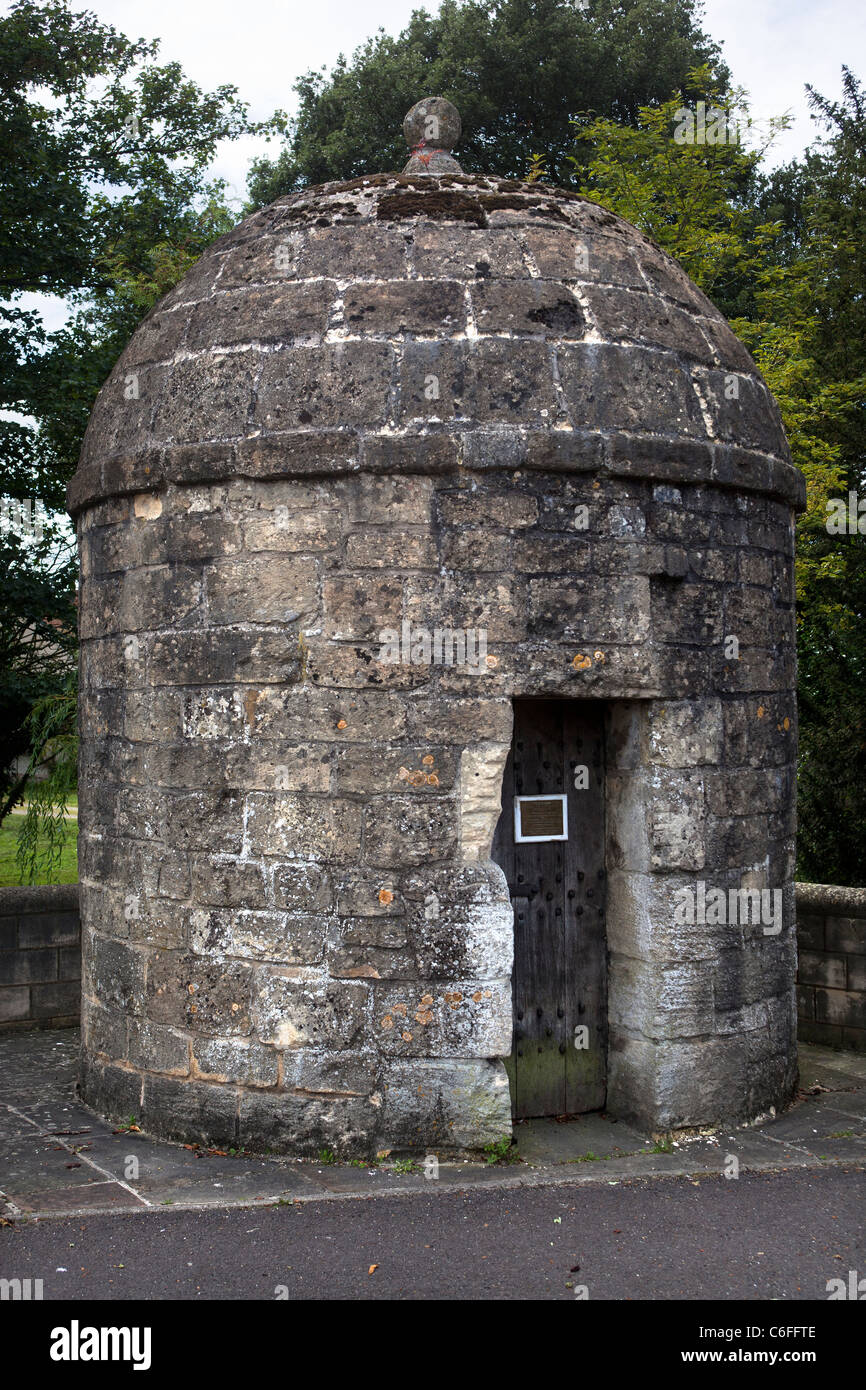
(116, 975)
(527, 306)
(564, 255)
(636, 315)
(188, 991)
(359, 606)
(822, 969)
(302, 888)
(405, 306)
(298, 827)
(399, 830)
(381, 550)
(228, 883)
(562, 606)
(462, 1105)
(391, 501)
(222, 388)
(467, 1019)
(294, 1012)
(103, 1030)
(845, 1007)
(300, 1124)
(217, 656)
(190, 1110)
(637, 388)
(281, 313)
(262, 589)
(353, 962)
(846, 934)
(153, 1047)
(342, 384)
(235, 1061)
(271, 936)
(685, 733)
(203, 820)
(56, 999)
(14, 1004)
(466, 252)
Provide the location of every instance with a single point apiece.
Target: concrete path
(58, 1159)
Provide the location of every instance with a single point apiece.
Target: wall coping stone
(831, 899)
(43, 897)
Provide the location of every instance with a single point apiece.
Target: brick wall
(40, 957)
(831, 979)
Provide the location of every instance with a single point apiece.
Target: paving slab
(814, 1118)
(852, 1106)
(58, 1158)
(833, 1061)
(86, 1197)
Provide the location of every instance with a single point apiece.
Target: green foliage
(517, 70)
(104, 201)
(52, 724)
(828, 406)
(501, 1151)
(37, 640)
(405, 1165)
(664, 1145)
(692, 199)
(10, 873)
(784, 257)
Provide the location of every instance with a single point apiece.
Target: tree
(37, 640)
(832, 588)
(109, 168)
(784, 257)
(517, 70)
(105, 201)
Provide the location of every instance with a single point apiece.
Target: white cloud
(774, 47)
(261, 47)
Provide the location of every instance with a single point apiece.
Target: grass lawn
(9, 874)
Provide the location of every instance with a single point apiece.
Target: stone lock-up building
(438, 723)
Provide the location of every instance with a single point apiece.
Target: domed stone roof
(428, 322)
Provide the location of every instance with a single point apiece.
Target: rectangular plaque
(540, 818)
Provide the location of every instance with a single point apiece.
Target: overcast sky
(773, 48)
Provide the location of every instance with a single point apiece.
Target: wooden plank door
(557, 889)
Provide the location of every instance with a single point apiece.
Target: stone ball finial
(432, 129)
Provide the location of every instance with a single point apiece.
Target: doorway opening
(550, 843)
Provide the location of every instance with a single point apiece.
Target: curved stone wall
(376, 412)
(293, 935)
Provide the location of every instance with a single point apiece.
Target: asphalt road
(762, 1236)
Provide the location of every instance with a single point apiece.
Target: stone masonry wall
(391, 406)
(831, 979)
(294, 930)
(40, 957)
(37, 922)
